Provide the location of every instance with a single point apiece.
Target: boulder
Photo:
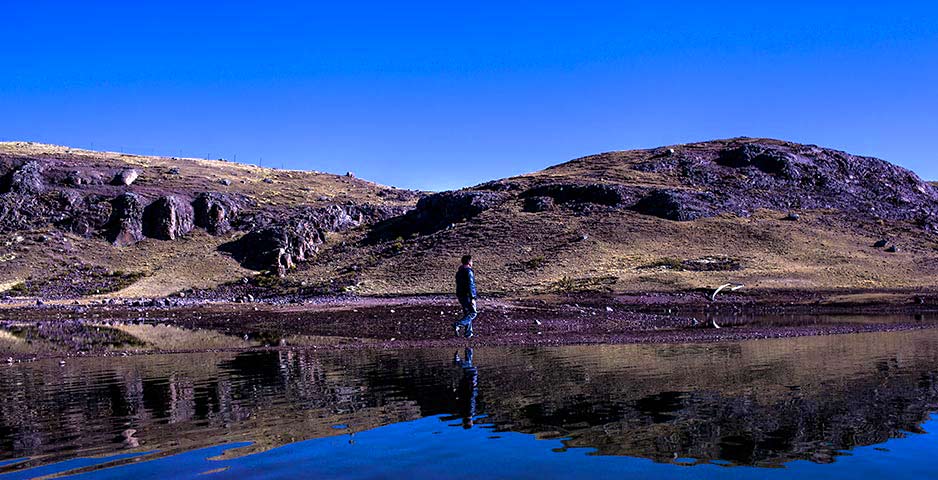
(125, 226)
(440, 210)
(167, 218)
(74, 179)
(125, 177)
(27, 179)
(881, 244)
(538, 204)
(214, 212)
(678, 205)
(769, 160)
(279, 246)
(278, 243)
(592, 193)
(86, 216)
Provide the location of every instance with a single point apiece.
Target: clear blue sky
(440, 95)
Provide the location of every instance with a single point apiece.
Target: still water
(847, 406)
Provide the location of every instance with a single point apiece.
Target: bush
(18, 290)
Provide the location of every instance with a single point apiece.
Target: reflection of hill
(750, 403)
(761, 402)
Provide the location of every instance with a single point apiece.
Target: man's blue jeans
(469, 314)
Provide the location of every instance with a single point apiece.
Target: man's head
(467, 260)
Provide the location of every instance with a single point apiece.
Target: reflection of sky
(429, 448)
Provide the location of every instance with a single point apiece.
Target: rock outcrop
(440, 210)
(279, 243)
(279, 246)
(748, 175)
(595, 193)
(168, 218)
(678, 205)
(126, 224)
(215, 212)
(27, 180)
(768, 160)
(582, 198)
(538, 204)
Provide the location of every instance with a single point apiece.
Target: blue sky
(441, 95)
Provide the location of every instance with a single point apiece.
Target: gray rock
(582, 194)
(27, 179)
(538, 204)
(168, 218)
(74, 179)
(125, 226)
(215, 212)
(278, 244)
(881, 244)
(769, 160)
(678, 205)
(126, 177)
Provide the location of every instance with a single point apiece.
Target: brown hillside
(765, 213)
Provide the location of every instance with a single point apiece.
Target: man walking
(466, 293)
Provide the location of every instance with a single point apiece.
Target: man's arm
(472, 284)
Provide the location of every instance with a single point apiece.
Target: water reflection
(761, 403)
(468, 389)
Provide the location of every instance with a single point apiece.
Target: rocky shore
(130, 327)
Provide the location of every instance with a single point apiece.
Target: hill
(770, 214)
(79, 223)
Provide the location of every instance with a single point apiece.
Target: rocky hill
(77, 223)
(767, 213)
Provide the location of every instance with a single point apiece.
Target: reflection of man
(466, 293)
(468, 387)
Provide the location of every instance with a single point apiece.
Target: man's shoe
(469, 335)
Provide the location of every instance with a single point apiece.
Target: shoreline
(133, 327)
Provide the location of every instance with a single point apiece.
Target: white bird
(732, 286)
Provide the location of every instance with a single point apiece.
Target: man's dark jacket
(465, 282)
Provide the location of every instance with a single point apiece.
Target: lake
(844, 406)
